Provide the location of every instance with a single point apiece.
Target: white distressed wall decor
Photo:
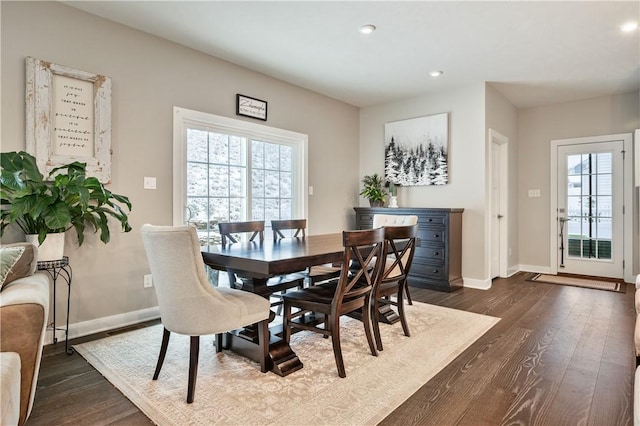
(68, 118)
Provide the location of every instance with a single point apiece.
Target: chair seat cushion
(319, 293)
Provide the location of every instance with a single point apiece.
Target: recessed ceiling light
(367, 29)
(629, 26)
(436, 73)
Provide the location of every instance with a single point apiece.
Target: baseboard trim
(534, 268)
(512, 271)
(477, 284)
(105, 323)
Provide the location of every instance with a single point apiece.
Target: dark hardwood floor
(559, 356)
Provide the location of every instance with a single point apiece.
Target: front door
(590, 208)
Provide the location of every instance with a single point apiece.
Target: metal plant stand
(59, 269)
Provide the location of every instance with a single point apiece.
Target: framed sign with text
(251, 107)
(68, 118)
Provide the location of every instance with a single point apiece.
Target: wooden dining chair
(399, 248)
(297, 228)
(341, 296)
(231, 232)
(396, 220)
(189, 305)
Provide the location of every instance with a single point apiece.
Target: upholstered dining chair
(231, 233)
(349, 293)
(297, 228)
(189, 305)
(396, 220)
(399, 248)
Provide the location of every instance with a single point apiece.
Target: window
(233, 170)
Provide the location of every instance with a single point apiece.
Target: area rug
(593, 283)
(230, 389)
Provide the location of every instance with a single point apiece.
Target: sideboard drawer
(431, 252)
(431, 235)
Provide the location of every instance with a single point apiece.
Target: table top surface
(271, 258)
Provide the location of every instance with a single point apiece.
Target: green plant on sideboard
(373, 190)
(66, 199)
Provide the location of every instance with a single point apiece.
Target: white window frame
(183, 118)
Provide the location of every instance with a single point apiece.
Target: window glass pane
(196, 179)
(196, 145)
(257, 209)
(271, 209)
(257, 183)
(574, 165)
(198, 211)
(574, 227)
(271, 156)
(237, 181)
(573, 185)
(236, 151)
(257, 154)
(271, 183)
(286, 184)
(603, 206)
(286, 158)
(237, 209)
(574, 207)
(286, 208)
(604, 161)
(604, 186)
(219, 148)
(585, 164)
(219, 182)
(219, 209)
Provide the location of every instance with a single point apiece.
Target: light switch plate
(149, 182)
(534, 193)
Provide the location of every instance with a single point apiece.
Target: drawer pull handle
(430, 220)
(436, 235)
(435, 271)
(435, 253)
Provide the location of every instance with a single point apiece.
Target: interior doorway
(499, 204)
(590, 188)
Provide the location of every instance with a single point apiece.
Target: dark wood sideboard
(437, 262)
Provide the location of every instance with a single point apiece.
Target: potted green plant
(373, 190)
(66, 199)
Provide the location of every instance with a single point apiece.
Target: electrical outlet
(148, 281)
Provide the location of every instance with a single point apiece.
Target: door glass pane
(589, 205)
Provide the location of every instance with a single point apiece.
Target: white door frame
(627, 182)
(503, 145)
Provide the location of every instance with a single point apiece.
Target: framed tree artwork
(68, 117)
(416, 151)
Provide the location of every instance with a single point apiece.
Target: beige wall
(502, 117)
(150, 76)
(536, 128)
(466, 164)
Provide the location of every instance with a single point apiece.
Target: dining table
(254, 263)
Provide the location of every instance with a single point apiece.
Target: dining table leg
(283, 359)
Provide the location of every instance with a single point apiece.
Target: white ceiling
(535, 53)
